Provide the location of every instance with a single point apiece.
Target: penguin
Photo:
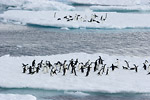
(58, 65)
(91, 20)
(24, 66)
(107, 70)
(48, 63)
(97, 21)
(64, 68)
(104, 19)
(87, 63)
(127, 63)
(145, 65)
(71, 62)
(82, 68)
(136, 68)
(44, 68)
(59, 19)
(77, 17)
(40, 64)
(117, 63)
(100, 60)
(70, 16)
(113, 67)
(124, 67)
(33, 63)
(53, 71)
(102, 69)
(95, 16)
(95, 66)
(65, 17)
(73, 69)
(76, 62)
(37, 69)
(79, 65)
(30, 70)
(88, 69)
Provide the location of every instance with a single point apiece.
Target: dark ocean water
(42, 94)
(35, 41)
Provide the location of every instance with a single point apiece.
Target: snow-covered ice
(117, 81)
(46, 18)
(35, 5)
(16, 97)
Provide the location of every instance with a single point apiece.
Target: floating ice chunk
(16, 97)
(46, 18)
(77, 93)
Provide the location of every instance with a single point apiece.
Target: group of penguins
(75, 66)
(94, 18)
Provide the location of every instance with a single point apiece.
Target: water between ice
(41, 94)
(25, 41)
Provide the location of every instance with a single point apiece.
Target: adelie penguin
(33, 63)
(24, 67)
(145, 65)
(82, 68)
(100, 60)
(95, 66)
(107, 70)
(64, 68)
(113, 67)
(88, 69)
(102, 70)
(30, 70)
(127, 63)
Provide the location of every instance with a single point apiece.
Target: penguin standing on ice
(88, 69)
(126, 67)
(100, 60)
(102, 69)
(136, 68)
(87, 63)
(30, 70)
(33, 63)
(24, 67)
(82, 68)
(64, 68)
(107, 70)
(145, 65)
(117, 63)
(37, 69)
(95, 66)
(70, 64)
(76, 62)
(113, 67)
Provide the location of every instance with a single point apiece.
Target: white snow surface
(16, 97)
(112, 2)
(36, 5)
(120, 80)
(46, 18)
